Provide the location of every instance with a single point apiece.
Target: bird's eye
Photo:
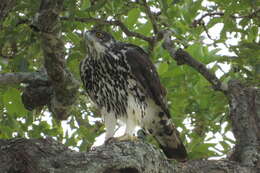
(99, 35)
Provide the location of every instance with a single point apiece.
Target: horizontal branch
(110, 22)
(47, 155)
(22, 77)
(183, 57)
(200, 20)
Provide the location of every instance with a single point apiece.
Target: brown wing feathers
(145, 72)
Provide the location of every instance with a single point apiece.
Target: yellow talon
(126, 137)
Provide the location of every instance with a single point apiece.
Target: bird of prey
(123, 83)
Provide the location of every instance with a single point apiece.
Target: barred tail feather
(169, 140)
(171, 144)
(157, 123)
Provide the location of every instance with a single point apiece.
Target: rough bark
(47, 155)
(245, 118)
(55, 86)
(63, 83)
(37, 95)
(22, 77)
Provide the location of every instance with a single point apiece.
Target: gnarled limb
(47, 155)
(64, 84)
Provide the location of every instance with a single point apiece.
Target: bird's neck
(96, 52)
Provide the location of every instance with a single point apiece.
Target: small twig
(207, 32)
(200, 20)
(130, 33)
(151, 40)
(251, 15)
(221, 69)
(151, 16)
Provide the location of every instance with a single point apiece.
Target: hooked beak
(89, 40)
(87, 36)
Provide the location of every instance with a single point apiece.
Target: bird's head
(99, 41)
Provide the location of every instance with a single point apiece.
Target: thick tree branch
(245, 118)
(46, 155)
(64, 85)
(22, 77)
(183, 57)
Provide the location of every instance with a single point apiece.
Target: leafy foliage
(196, 108)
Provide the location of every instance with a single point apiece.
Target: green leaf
(196, 51)
(85, 4)
(163, 67)
(13, 103)
(73, 37)
(225, 145)
(145, 28)
(7, 129)
(202, 150)
(214, 51)
(132, 17)
(213, 22)
(243, 22)
(164, 6)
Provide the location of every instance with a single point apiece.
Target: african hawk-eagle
(122, 81)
